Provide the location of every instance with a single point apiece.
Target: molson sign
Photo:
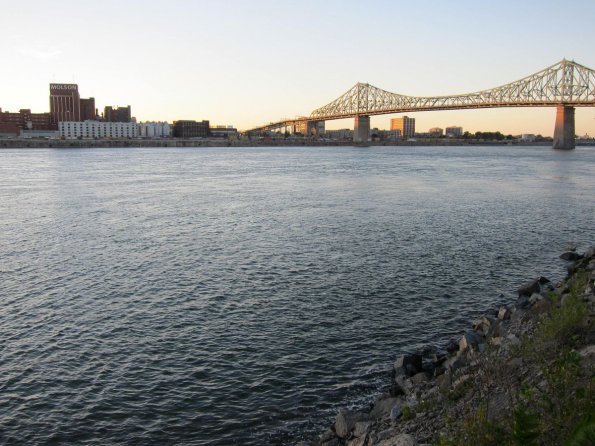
(64, 87)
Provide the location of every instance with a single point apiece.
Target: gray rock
(396, 389)
(399, 440)
(487, 327)
(419, 378)
(362, 428)
(522, 303)
(357, 441)
(534, 298)
(405, 384)
(470, 341)
(408, 364)
(571, 255)
(382, 408)
(439, 370)
(327, 435)
(496, 341)
(444, 381)
(534, 286)
(456, 362)
(503, 313)
(395, 413)
(387, 434)
(590, 253)
(346, 420)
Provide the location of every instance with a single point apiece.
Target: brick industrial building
(65, 102)
(14, 123)
(191, 129)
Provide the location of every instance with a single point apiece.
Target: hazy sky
(245, 63)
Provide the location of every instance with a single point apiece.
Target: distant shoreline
(175, 142)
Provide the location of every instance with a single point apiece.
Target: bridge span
(564, 85)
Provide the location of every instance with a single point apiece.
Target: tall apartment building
(65, 102)
(117, 114)
(405, 124)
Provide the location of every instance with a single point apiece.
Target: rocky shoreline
(521, 374)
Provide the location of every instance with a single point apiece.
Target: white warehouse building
(96, 129)
(154, 130)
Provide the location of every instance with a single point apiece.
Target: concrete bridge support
(361, 129)
(564, 130)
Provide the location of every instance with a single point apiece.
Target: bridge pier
(564, 130)
(361, 129)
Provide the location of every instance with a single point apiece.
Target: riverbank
(254, 142)
(521, 375)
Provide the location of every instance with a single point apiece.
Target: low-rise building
(97, 130)
(154, 130)
(436, 131)
(339, 134)
(25, 120)
(224, 131)
(454, 131)
(191, 129)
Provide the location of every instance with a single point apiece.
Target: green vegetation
(555, 405)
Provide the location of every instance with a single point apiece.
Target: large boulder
(503, 313)
(346, 420)
(408, 364)
(455, 362)
(382, 408)
(470, 341)
(571, 255)
(484, 326)
(362, 428)
(534, 286)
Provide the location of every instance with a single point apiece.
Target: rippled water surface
(241, 296)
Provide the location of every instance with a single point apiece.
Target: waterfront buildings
(25, 120)
(405, 125)
(309, 128)
(88, 110)
(191, 129)
(117, 114)
(224, 131)
(454, 131)
(339, 134)
(97, 130)
(65, 102)
(154, 130)
(436, 132)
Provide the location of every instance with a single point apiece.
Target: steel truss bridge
(564, 85)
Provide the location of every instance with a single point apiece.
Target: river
(221, 296)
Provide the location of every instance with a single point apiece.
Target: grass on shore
(553, 404)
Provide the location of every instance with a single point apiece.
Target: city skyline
(250, 63)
